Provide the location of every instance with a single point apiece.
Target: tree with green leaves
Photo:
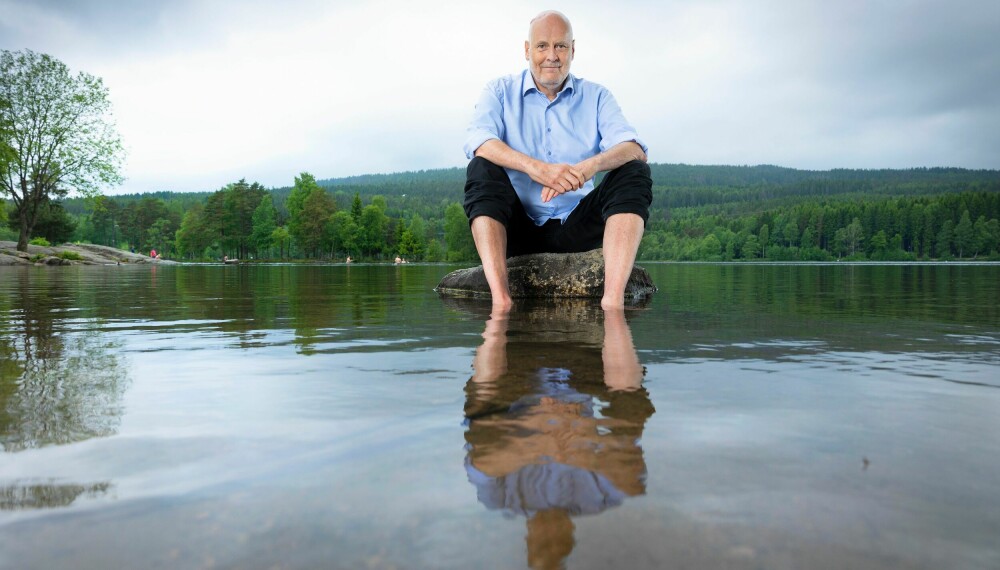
(265, 221)
(311, 228)
(51, 222)
(161, 237)
(854, 235)
(373, 226)
(750, 247)
(965, 237)
(304, 226)
(56, 135)
(765, 238)
(457, 235)
(239, 201)
(981, 236)
(280, 238)
(356, 208)
(104, 221)
(194, 235)
(945, 238)
(344, 233)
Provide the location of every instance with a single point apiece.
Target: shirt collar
(528, 83)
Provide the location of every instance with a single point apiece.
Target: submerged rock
(547, 275)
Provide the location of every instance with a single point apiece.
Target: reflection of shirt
(583, 120)
(537, 487)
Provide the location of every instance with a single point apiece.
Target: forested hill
(677, 185)
(699, 212)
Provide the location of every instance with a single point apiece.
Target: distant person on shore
(536, 140)
(398, 260)
(348, 260)
(152, 253)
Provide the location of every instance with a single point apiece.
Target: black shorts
(627, 189)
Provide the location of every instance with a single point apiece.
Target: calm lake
(748, 416)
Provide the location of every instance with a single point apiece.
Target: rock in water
(547, 275)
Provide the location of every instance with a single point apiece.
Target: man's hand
(556, 179)
(581, 173)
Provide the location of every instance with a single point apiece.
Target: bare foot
(501, 306)
(612, 303)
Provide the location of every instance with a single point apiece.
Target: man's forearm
(497, 152)
(613, 158)
(564, 177)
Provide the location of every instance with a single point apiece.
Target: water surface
(748, 416)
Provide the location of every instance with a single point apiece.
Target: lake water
(748, 416)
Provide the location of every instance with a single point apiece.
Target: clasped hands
(558, 179)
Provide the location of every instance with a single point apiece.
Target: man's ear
(526, 46)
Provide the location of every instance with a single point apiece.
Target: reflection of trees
(56, 385)
(44, 496)
(555, 412)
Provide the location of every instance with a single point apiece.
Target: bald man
(536, 140)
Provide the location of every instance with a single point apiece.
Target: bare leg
(622, 234)
(490, 362)
(491, 242)
(622, 370)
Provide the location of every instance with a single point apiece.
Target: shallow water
(748, 416)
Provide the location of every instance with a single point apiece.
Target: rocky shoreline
(71, 254)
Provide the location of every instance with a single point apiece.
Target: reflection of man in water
(554, 422)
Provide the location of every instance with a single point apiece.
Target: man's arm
(601, 162)
(563, 176)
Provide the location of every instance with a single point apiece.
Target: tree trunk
(25, 231)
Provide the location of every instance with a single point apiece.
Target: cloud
(209, 92)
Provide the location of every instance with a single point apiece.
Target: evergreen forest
(699, 213)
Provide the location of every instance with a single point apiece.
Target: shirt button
(548, 130)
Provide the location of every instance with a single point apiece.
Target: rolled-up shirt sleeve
(612, 125)
(487, 120)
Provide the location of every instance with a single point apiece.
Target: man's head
(549, 50)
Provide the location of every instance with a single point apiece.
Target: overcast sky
(208, 92)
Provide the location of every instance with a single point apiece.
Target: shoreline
(87, 254)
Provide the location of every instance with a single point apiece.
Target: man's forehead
(549, 26)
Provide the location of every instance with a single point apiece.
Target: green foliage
(312, 222)
(434, 251)
(310, 210)
(56, 134)
(70, 255)
(40, 241)
(239, 202)
(265, 222)
(373, 226)
(103, 222)
(194, 235)
(457, 235)
(51, 222)
(698, 213)
(280, 237)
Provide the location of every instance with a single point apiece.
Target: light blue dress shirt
(582, 121)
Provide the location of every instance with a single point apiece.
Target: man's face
(549, 50)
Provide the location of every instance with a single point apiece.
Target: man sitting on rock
(536, 141)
